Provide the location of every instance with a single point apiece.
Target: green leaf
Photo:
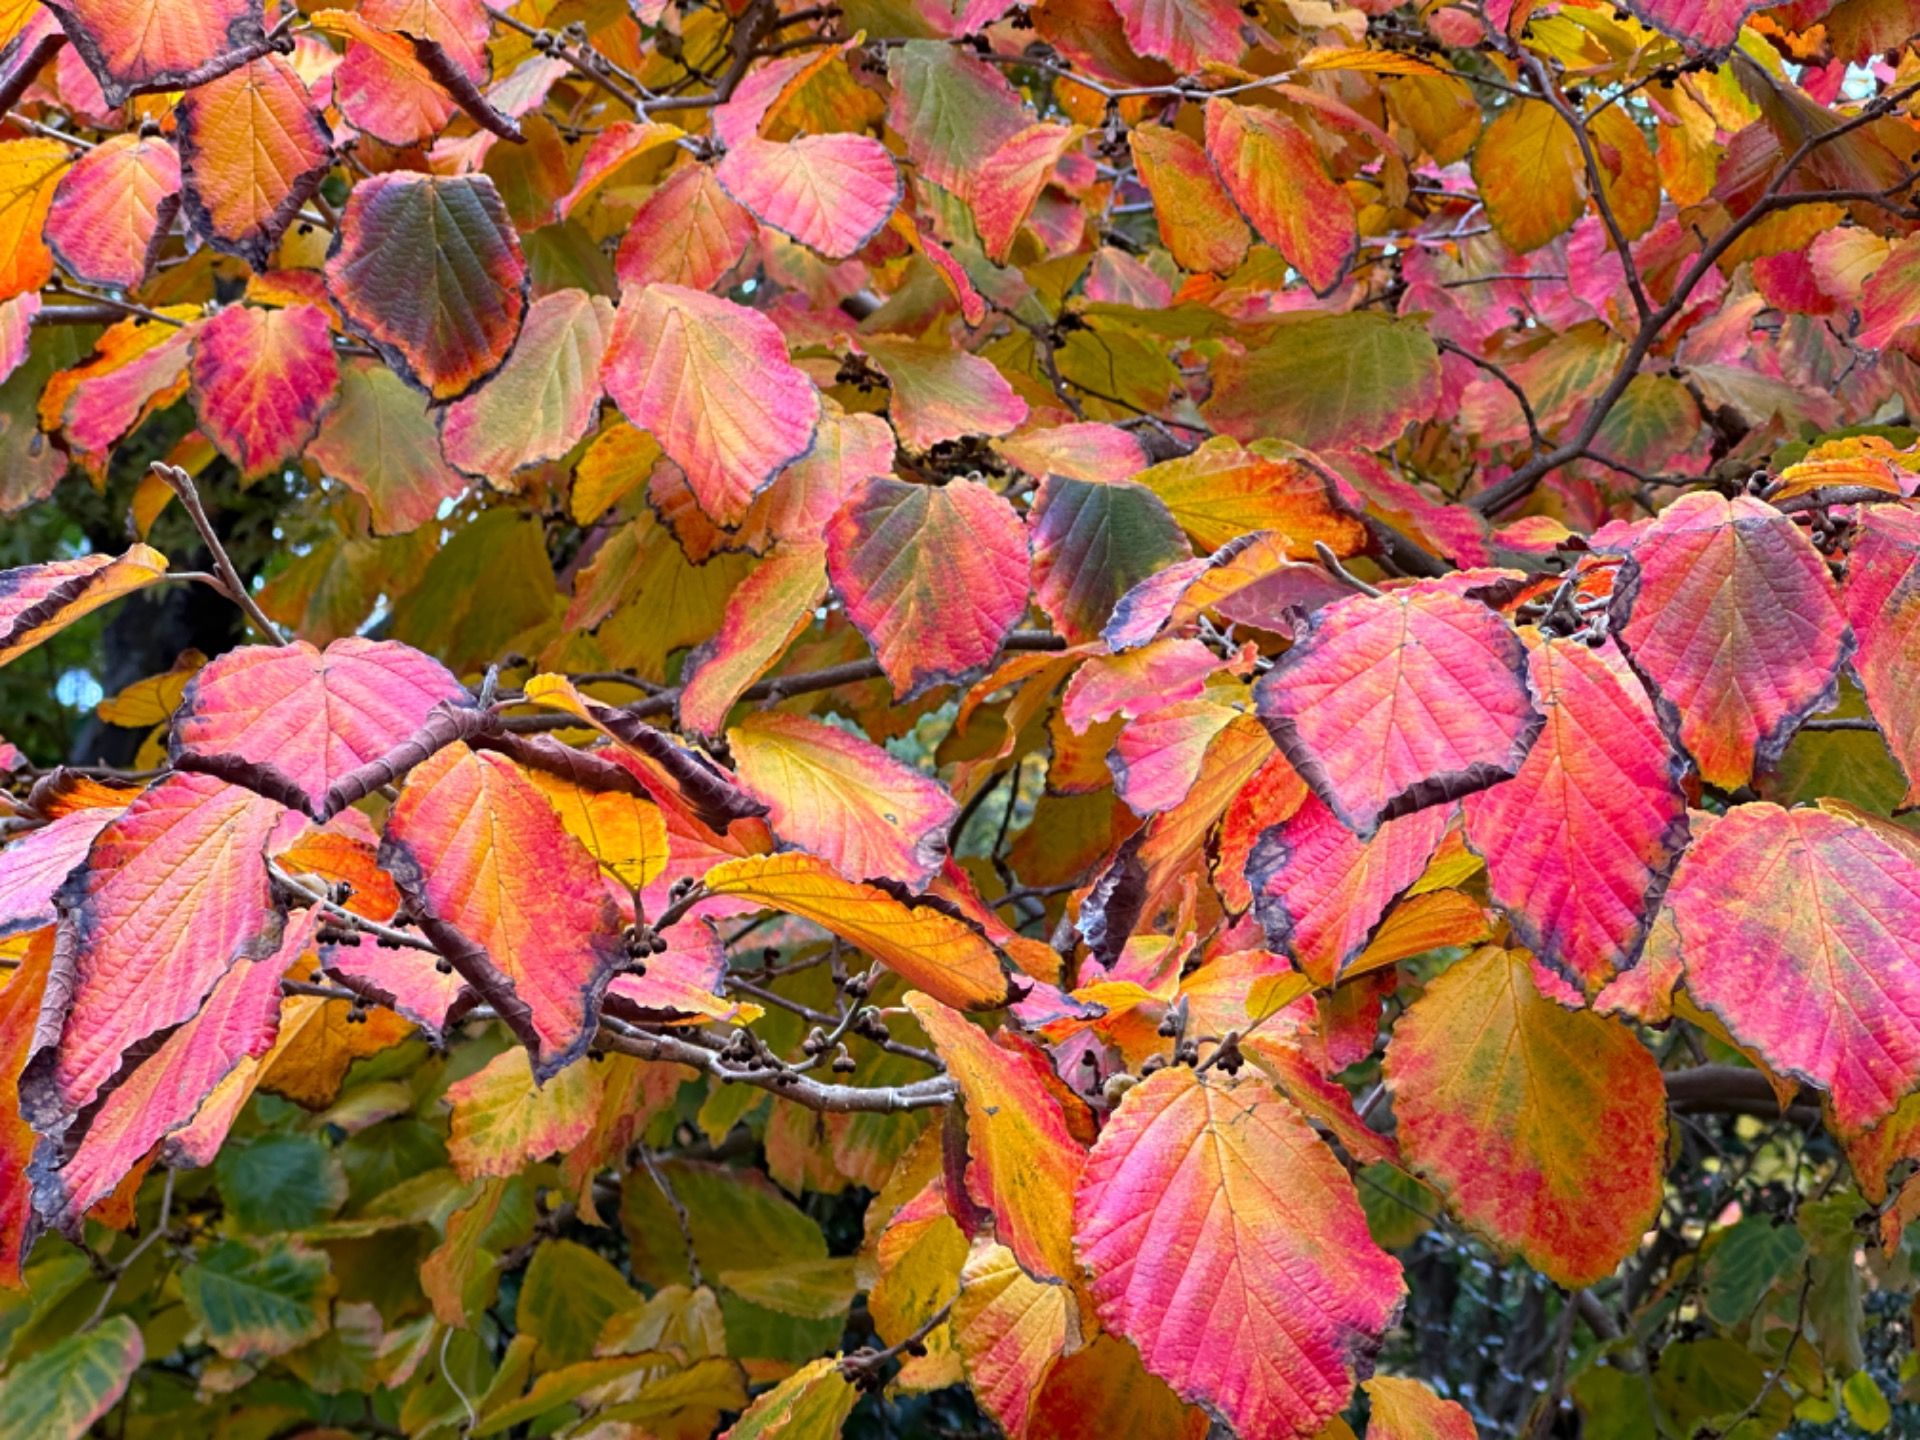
(59, 1393)
(253, 1300)
(1866, 1406)
(280, 1182)
(567, 1298)
(1745, 1262)
(810, 1289)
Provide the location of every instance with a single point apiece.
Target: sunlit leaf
(1545, 1128)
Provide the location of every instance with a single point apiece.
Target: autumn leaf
(290, 720)
(389, 239)
(541, 945)
(1732, 618)
(928, 948)
(1544, 1127)
(946, 614)
(1342, 704)
(1023, 1163)
(844, 799)
(1582, 840)
(1225, 1241)
(671, 350)
(253, 150)
(174, 893)
(1816, 972)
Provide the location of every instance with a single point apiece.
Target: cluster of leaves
(1080, 717)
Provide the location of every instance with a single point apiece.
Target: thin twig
(182, 485)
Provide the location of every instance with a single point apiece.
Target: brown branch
(813, 1094)
(182, 485)
(1521, 483)
(1551, 94)
(780, 687)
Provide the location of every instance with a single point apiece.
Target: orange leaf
(1023, 1162)
(508, 895)
(928, 948)
(844, 798)
(254, 151)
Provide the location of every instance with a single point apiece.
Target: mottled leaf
(1092, 544)
(1816, 967)
(428, 270)
(934, 577)
(59, 1392)
(508, 895)
(545, 398)
(111, 212)
(1022, 1161)
(844, 798)
(1545, 1128)
(261, 380)
(673, 350)
(928, 948)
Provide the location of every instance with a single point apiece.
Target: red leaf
(1579, 844)
(137, 46)
(508, 895)
(1394, 702)
(173, 893)
(428, 270)
(32, 866)
(1226, 1241)
(830, 192)
(1731, 617)
(1320, 891)
(240, 1019)
(934, 577)
(261, 379)
(1818, 967)
(19, 1012)
(1185, 33)
(673, 352)
(111, 212)
(1883, 602)
(1273, 170)
(289, 720)
(1009, 181)
(688, 232)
